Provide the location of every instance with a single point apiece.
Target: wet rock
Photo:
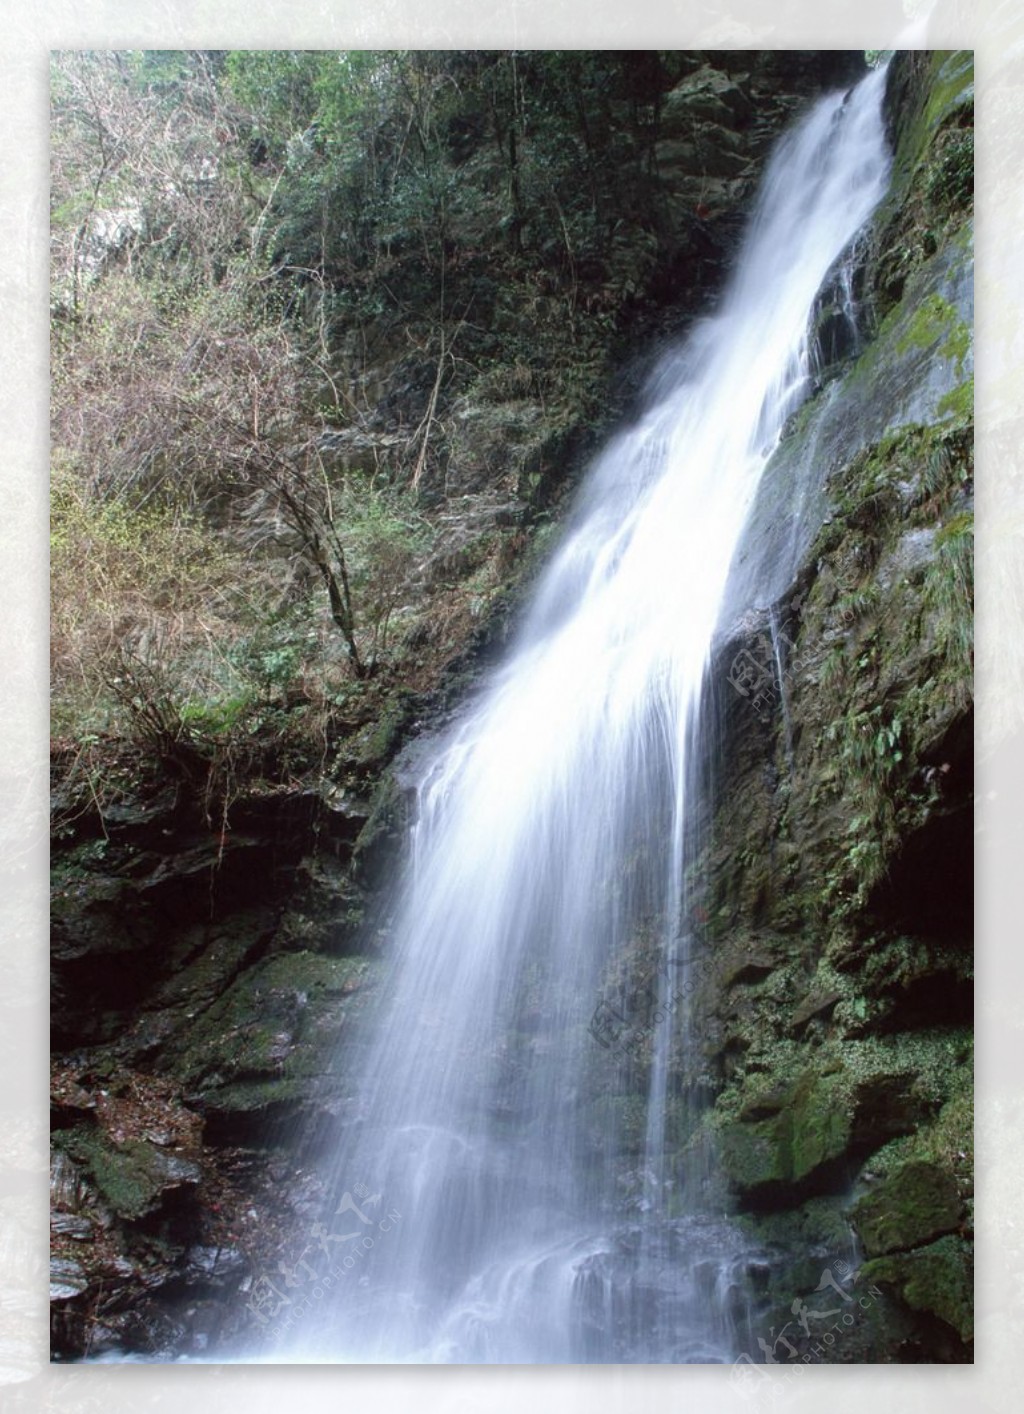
(65, 1182)
(81, 1229)
(842, 806)
(750, 967)
(217, 1265)
(709, 94)
(147, 823)
(764, 1105)
(886, 1105)
(718, 152)
(254, 1027)
(67, 1279)
(163, 952)
(905, 376)
(910, 554)
(134, 1178)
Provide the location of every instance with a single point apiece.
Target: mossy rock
(932, 187)
(377, 743)
(945, 1141)
(814, 1226)
(134, 1177)
(276, 1022)
(821, 1124)
(915, 1204)
(808, 1131)
(383, 827)
(257, 1097)
(938, 1279)
(916, 372)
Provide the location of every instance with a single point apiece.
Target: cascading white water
(550, 838)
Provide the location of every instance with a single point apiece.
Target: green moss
(955, 529)
(949, 184)
(887, 635)
(947, 100)
(809, 1128)
(378, 742)
(815, 1223)
(879, 965)
(950, 87)
(131, 1177)
(781, 1119)
(821, 1128)
(936, 325)
(814, 1069)
(938, 1279)
(269, 1023)
(918, 1201)
(930, 194)
(754, 1156)
(948, 1140)
(958, 405)
(247, 1096)
(948, 596)
(311, 973)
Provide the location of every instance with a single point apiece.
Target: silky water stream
(515, 1189)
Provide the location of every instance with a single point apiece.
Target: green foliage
(949, 594)
(431, 153)
(241, 243)
(278, 89)
(931, 193)
(214, 719)
(949, 185)
(271, 659)
(871, 748)
(857, 603)
(388, 538)
(833, 667)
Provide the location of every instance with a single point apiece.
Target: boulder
(916, 1203)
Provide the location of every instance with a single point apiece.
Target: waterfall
(514, 1188)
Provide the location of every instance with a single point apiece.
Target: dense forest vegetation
(243, 536)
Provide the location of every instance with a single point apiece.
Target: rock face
(204, 969)
(200, 981)
(839, 851)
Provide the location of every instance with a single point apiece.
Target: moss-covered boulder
(916, 1203)
(937, 1279)
(135, 1177)
(782, 1142)
(264, 1048)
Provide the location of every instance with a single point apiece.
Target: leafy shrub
(388, 539)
